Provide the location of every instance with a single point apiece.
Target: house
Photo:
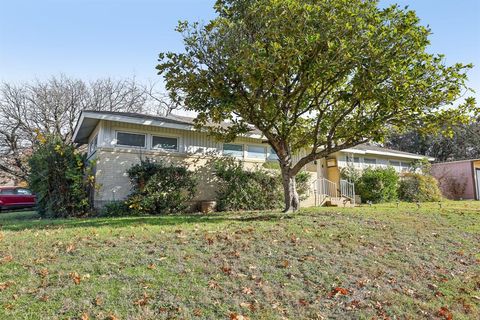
(458, 180)
(117, 140)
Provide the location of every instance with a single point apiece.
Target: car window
(24, 192)
(7, 191)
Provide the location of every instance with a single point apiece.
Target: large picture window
(256, 152)
(130, 139)
(233, 150)
(272, 155)
(165, 143)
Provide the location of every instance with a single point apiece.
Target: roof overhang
(88, 121)
(388, 154)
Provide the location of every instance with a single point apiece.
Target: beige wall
(113, 163)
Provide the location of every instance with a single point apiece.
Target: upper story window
(370, 161)
(256, 152)
(165, 143)
(131, 139)
(234, 150)
(92, 146)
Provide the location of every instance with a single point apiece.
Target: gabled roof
(89, 119)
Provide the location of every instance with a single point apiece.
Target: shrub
(159, 188)
(61, 178)
(115, 209)
(378, 185)
(256, 189)
(419, 187)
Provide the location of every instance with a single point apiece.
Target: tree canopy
(314, 76)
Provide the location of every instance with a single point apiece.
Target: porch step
(339, 202)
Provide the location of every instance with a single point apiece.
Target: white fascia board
(386, 153)
(149, 122)
(78, 125)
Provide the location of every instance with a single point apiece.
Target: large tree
(314, 76)
(52, 107)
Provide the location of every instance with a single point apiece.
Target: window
(405, 166)
(256, 152)
(131, 139)
(353, 159)
(234, 150)
(272, 155)
(370, 161)
(395, 163)
(92, 146)
(165, 143)
(24, 192)
(7, 191)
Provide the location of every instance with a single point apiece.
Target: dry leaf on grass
(236, 316)
(7, 258)
(6, 285)
(75, 277)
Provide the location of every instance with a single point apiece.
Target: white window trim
(161, 135)
(130, 132)
(90, 151)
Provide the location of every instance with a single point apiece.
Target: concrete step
(339, 202)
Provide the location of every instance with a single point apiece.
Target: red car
(16, 198)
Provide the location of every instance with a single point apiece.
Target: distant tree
(314, 77)
(52, 107)
(463, 143)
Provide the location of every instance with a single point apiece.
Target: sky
(91, 39)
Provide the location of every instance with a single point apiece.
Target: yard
(363, 263)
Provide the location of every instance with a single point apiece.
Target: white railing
(324, 188)
(347, 190)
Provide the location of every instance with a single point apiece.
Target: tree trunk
(292, 202)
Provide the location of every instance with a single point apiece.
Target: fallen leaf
(247, 290)
(75, 277)
(44, 298)
(6, 285)
(143, 300)
(84, 316)
(151, 266)
(445, 313)
(112, 317)
(70, 248)
(7, 258)
(236, 316)
(43, 272)
(338, 291)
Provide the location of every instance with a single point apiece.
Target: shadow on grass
(15, 221)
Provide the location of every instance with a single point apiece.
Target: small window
(234, 150)
(370, 161)
(353, 159)
(165, 143)
(256, 152)
(272, 155)
(7, 191)
(131, 139)
(405, 166)
(24, 192)
(92, 146)
(395, 163)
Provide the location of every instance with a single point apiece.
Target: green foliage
(256, 189)
(378, 185)
(61, 178)
(314, 75)
(350, 174)
(160, 188)
(416, 187)
(115, 209)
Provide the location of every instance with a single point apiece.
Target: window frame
(91, 144)
(133, 133)
(234, 144)
(365, 161)
(256, 146)
(152, 136)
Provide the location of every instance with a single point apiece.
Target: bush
(61, 178)
(257, 189)
(159, 188)
(419, 187)
(115, 209)
(378, 185)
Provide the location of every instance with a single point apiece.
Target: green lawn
(362, 263)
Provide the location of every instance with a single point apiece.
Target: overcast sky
(92, 39)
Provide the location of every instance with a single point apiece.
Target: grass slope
(379, 262)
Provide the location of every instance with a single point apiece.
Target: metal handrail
(325, 187)
(347, 190)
